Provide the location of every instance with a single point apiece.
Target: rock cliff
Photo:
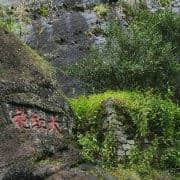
(35, 119)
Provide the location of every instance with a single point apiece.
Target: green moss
(41, 63)
(21, 60)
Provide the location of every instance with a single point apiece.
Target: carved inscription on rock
(22, 118)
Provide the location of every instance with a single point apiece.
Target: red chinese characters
(53, 125)
(36, 122)
(20, 119)
(42, 123)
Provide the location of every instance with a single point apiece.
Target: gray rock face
(153, 5)
(23, 154)
(61, 36)
(176, 6)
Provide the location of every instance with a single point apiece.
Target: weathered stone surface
(27, 154)
(71, 176)
(114, 121)
(27, 80)
(35, 118)
(63, 36)
(121, 152)
(126, 147)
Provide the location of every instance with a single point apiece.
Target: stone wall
(114, 122)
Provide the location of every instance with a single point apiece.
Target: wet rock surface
(154, 5)
(176, 6)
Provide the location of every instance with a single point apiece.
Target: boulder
(36, 121)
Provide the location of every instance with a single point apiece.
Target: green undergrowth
(6, 19)
(154, 119)
(144, 56)
(101, 10)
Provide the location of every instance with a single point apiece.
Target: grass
(8, 20)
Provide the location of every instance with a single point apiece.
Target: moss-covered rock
(35, 118)
(26, 78)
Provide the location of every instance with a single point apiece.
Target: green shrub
(108, 149)
(144, 56)
(90, 148)
(101, 10)
(152, 118)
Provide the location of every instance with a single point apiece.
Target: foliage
(144, 56)
(165, 3)
(153, 118)
(101, 10)
(8, 21)
(142, 161)
(89, 145)
(108, 149)
(43, 11)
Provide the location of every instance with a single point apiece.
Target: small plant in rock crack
(101, 10)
